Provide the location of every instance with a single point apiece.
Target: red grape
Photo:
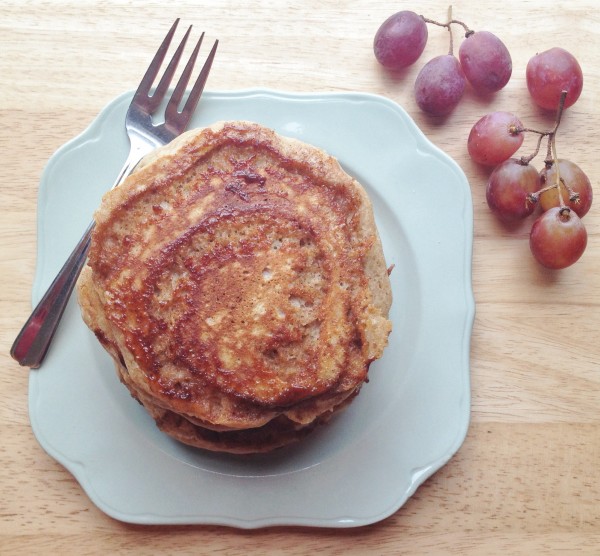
(508, 187)
(577, 181)
(558, 238)
(551, 72)
(494, 138)
(440, 85)
(400, 40)
(486, 62)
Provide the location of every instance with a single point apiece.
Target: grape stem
(468, 32)
(573, 196)
(551, 157)
(552, 150)
(525, 160)
(448, 25)
(550, 134)
(451, 49)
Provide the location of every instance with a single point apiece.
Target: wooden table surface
(527, 478)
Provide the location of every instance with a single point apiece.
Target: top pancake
(238, 275)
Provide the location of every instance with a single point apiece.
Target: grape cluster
(483, 60)
(515, 189)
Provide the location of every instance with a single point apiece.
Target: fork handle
(32, 343)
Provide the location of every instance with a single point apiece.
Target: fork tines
(150, 102)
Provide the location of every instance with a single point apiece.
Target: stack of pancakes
(238, 281)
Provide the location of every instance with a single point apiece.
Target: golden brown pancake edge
(237, 278)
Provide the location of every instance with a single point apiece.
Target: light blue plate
(407, 422)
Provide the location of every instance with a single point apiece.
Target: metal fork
(32, 343)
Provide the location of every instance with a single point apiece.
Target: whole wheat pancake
(238, 280)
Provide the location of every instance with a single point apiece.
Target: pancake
(238, 281)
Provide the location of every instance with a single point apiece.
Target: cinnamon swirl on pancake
(238, 281)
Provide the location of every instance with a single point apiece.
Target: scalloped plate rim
(418, 475)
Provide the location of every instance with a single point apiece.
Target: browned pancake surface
(238, 275)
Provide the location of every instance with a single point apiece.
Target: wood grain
(527, 478)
